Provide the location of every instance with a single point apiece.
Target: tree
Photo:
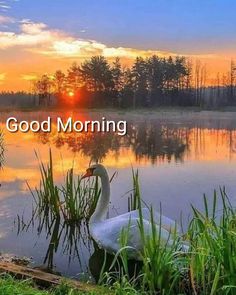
(139, 72)
(232, 81)
(117, 76)
(127, 92)
(155, 79)
(59, 84)
(43, 88)
(97, 76)
(74, 79)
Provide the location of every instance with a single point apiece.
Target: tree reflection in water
(147, 140)
(68, 238)
(2, 149)
(73, 239)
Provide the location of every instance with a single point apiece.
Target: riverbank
(9, 286)
(155, 111)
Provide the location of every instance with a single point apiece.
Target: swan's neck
(103, 202)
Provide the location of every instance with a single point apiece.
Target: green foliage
(212, 259)
(74, 200)
(133, 200)
(11, 286)
(208, 268)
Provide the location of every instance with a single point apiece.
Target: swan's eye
(90, 171)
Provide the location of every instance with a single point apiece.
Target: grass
(12, 286)
(208, 268)
(74, 200)
(212, 262)
(135, 196)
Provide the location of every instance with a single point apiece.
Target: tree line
(148, 82)
(97, 83)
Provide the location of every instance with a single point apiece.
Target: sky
(38, 37)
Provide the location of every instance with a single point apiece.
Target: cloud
(30, 35)
(29, 77)
(38, 38)
(31, 28)
(2, 77)
(5, 6)
(5, 19)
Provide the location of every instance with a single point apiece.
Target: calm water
(180, 156)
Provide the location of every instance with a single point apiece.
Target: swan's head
(95, 170)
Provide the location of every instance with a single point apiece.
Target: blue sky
(188, 26)
(45, 35)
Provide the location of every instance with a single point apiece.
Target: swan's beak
(89, 172)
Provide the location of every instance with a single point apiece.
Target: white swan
(106, 232)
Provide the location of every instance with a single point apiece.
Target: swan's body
(107, 232)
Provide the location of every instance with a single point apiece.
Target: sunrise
(117, 147)
(33, 43)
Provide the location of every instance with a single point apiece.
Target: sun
(71, 93)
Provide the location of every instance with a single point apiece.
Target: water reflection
(180, 157)
(2, 148)
(150, 141)
(145, 140)
(70, 239)
(73, 239)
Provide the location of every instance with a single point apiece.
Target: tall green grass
(11, 286)
(208, 268)
(212, 259)
(135, 196)
(164, 265)
(74, 199)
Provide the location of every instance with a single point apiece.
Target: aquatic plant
(164, 267)
(135, 196)
(74, 200)
(208, 267)
(212, 258)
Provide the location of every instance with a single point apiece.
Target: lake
(180, 156)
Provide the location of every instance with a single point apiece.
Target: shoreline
(123, 110)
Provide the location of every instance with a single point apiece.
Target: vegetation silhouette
(147, 140)
(149, 82)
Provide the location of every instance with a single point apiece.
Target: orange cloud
(2, 77)
(39, 39)
(29, 77)
(38, 49)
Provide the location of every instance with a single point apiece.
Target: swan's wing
(108, 234)
(166, 223)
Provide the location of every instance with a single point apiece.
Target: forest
(148, 82)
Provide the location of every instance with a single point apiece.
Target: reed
(135, 196)
(208, 268)
(212, 235)
(73, 200)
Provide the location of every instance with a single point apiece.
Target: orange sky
(36, 49)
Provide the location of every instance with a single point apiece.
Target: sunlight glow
(71, 93)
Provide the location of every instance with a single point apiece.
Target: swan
(107, 232)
